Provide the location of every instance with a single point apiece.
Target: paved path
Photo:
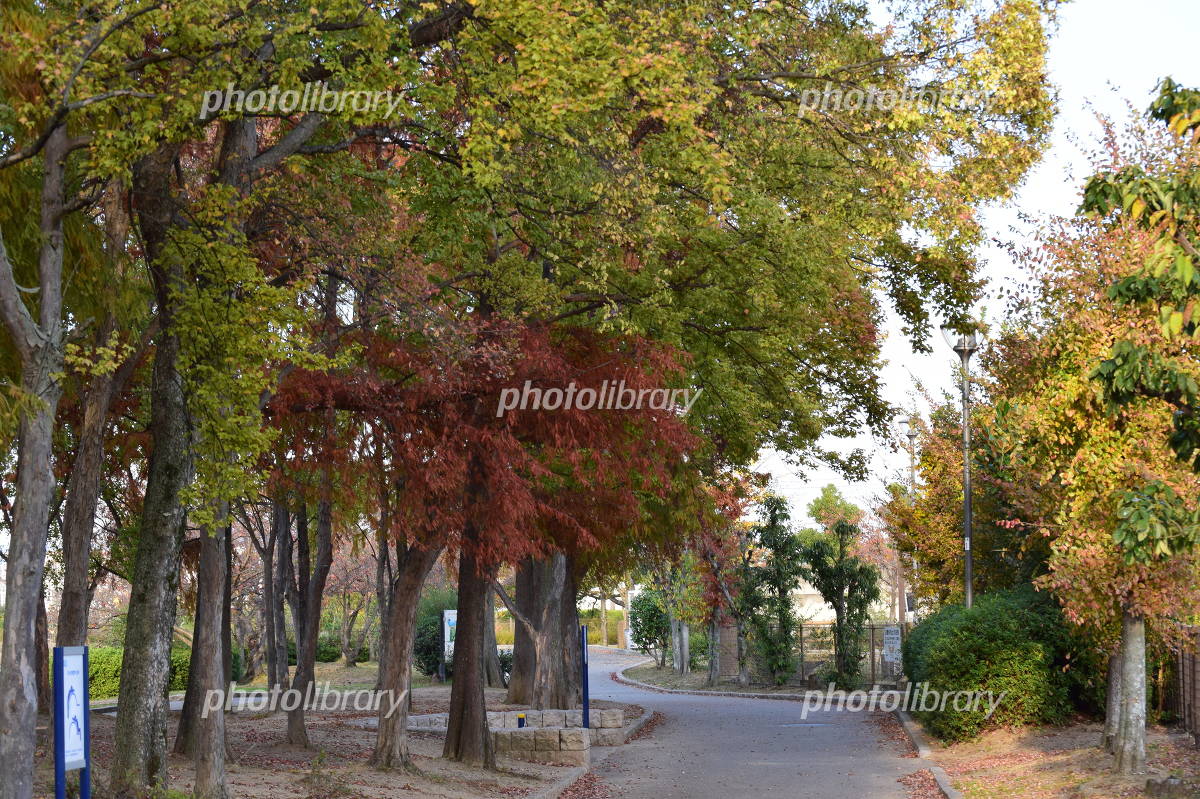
(733, 748)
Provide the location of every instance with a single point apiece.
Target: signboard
(891, 644)
(71, 706)
(449, 627)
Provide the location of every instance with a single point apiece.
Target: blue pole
(85, 773)
(583, 663)
(60, 772)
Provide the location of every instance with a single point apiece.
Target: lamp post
(965, 345)
(911, 433)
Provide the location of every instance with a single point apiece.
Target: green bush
(427, 644)
(104, 671)
(181, 659)
(329, 648)
(648, 623)
(1014, 642)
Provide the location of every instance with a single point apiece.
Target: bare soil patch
(1059, 763)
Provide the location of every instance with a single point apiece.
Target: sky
(1106, 56)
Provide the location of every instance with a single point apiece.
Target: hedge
(1014, 642)
(104, 671)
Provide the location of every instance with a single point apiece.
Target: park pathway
(733, 748)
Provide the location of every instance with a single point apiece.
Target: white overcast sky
(1106, 55)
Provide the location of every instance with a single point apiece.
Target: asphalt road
(730, 748)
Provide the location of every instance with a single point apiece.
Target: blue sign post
(72, 734)
(583, 660)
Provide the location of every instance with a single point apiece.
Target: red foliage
(565, 478)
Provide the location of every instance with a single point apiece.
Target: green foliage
(850, 585)
(1154, 523)
(104, 670)
(329, 648)
(775, 622)
(649, 624)
(427, 644)
(1016, 642)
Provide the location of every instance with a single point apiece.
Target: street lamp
(911, 432)
(965, 345)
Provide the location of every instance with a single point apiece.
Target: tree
(649, 625)
(849, 585)
(777, 576)
(1155, 525)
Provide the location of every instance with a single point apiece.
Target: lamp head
(963, 343)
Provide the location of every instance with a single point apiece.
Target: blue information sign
(72, 739)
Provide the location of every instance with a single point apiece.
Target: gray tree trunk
(714, 659)
(79, 514)
(1131, 733)
(207, 734)
(283, 579)
(1112, 713)
(395, 670)
(468, 738)
(493, 675)
(39, 345)
(310, 617)
(685, 648)
(526, 593)
(139, 757)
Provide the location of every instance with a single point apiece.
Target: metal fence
(814, 651)
(1186, 699)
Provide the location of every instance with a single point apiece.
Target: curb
(797, 697)
(917, 736)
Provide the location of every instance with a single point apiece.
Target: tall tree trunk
(468, 738)
(395, 669)
(139, 757)
(207, 603)
(227, 605)
(571, 690)
(685, 648)
(206, 735)
(310, 605)
(493, 675)
(39, 346)
(43, 655)
(140, 754)
(527, 591)
(1131, 734)
(714, 659)
(297, 576)
(553, 631)
(383, 592)
(603, 617)
(282, 578)
(79, 514)
(743, 653)
(1112, 713)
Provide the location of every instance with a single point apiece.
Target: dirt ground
(1060, 763)
(263, 765)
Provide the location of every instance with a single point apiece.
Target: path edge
(921, 743)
